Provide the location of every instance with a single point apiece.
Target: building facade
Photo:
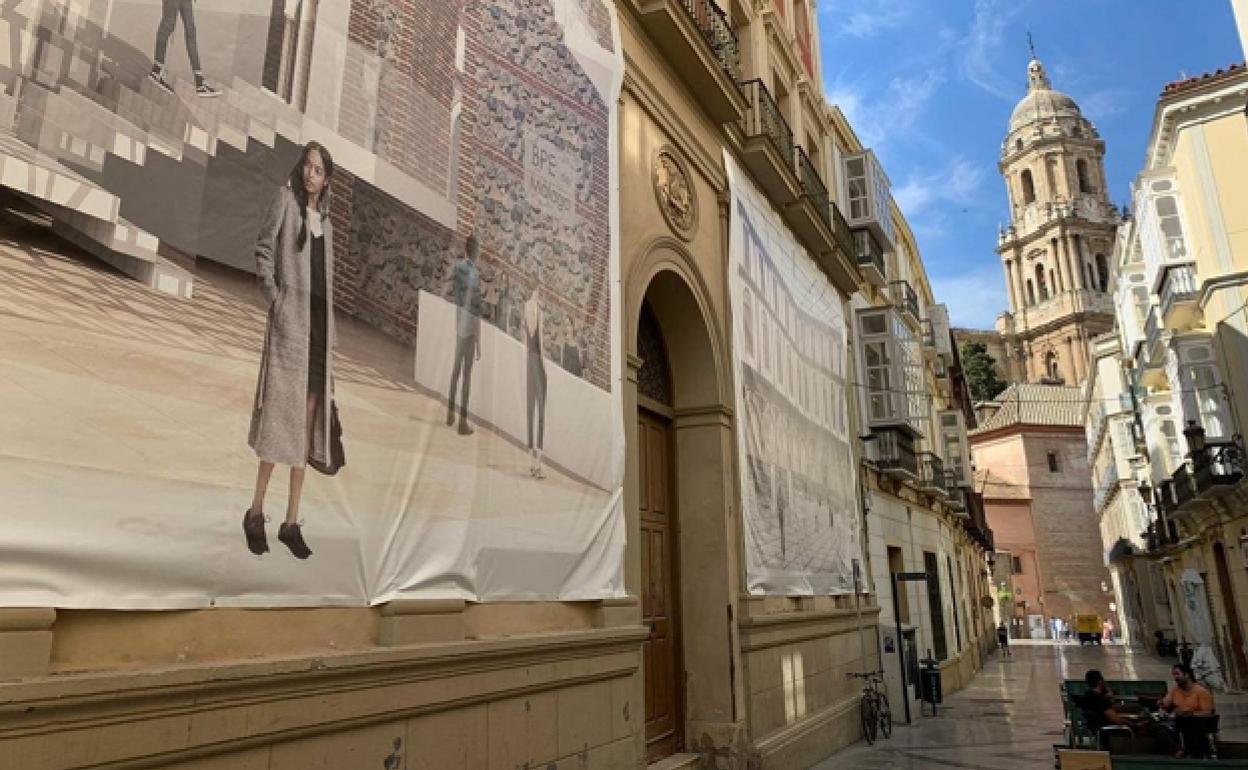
(1179, 262)
(1032, 455)
(511, 121)
(1115, 452)
(1055, 251)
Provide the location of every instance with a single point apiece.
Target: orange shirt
(1195, 699)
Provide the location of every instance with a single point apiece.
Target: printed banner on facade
(309, 303)
(803, 528)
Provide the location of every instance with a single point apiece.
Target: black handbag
(337, 457)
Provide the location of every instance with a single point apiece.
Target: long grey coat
(279, 415)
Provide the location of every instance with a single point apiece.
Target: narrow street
(1011, 715)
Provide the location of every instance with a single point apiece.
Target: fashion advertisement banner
(309, 303)
(798, 487)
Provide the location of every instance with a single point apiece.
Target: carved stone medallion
(674, 192)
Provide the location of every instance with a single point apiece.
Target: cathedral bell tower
(1057, 247)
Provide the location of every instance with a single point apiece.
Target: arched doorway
(681, 450)
(660, 570)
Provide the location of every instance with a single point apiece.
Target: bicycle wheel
(885, 716)
(870, 720)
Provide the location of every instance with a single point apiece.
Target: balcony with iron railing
(931, 474)
(1219, 465)
(1183, 484)
(903, 297)
(699, 40)
(811, 218)
(894, 454)
(769, 150)
(955, 493)
(870, 256)
(1179, 291)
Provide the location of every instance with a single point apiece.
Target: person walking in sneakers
(466, 293)
(170, 11)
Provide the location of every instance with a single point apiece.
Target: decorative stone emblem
(674, 192)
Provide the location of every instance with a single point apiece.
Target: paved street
(1011, 714)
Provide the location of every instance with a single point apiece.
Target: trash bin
(929, 677)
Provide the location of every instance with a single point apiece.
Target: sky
(930, 84)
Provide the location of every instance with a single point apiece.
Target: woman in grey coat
(290, 419)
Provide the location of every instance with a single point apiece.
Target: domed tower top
(1042, 102)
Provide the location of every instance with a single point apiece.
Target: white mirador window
(856, 182)
(893, 366)
(1201, 393)
(957, 457)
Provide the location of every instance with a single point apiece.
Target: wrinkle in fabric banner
(803, 527)
(309, 303)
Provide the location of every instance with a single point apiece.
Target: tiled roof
(1178, 86)
(1032, 404)
(993, 487)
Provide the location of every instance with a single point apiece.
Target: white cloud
(979, 62)
(862, 19)
(887, 114)
(974, 297)
(1101, 105)
(959, 183)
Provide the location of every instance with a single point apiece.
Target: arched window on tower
(1018, 144)
(1085, 182)
(1102, 272)
(1042, 283)
(1031, 293)
(1029, 187)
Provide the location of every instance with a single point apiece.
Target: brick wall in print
(399, 83)
(529, 89)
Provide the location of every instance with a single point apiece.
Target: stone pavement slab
(1011, 713)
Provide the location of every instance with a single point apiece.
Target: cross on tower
(1031, 44)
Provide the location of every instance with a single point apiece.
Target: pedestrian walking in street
(170, 10)
(291, 415)
(466, 293)
(1003, 639)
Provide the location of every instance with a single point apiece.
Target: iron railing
(1178, 285)
(931, 472)
(813, 186)
(903, 298)
(1183, 482)
(1220, 464)
(763, 118)
(844, 237)
(718, 33)
(868, 251)
(895, 452)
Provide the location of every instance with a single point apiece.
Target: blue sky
(930, 85)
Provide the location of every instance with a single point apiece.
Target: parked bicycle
(877, 717)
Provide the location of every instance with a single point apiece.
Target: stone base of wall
(559, 699)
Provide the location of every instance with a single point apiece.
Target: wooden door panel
(660, 651)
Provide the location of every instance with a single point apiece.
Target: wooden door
(1238, 660)
(664, 709)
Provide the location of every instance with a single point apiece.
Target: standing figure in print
(535, 382)
(466, 293)
(290, 421)
(170, 10)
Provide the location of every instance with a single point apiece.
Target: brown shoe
(465, 429)
(292, 536)
(253, 530)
